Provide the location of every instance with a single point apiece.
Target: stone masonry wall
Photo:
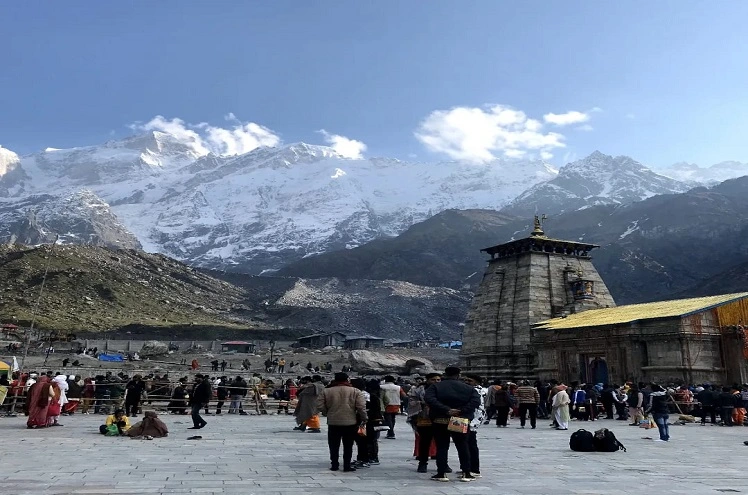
(515, 293)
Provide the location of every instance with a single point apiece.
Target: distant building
(238, 346)
(364, 342)
(412, 344)
(452, 344)
(320, 340)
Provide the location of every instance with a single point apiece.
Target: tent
(5, 369)
(111, 357)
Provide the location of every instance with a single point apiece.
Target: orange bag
(313, 422)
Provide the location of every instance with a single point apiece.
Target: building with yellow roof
(543, 311)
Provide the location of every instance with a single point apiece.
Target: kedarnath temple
(543, 311)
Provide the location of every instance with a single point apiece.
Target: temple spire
(538, 230)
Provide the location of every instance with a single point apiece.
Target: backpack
(581, 441)
(605, 440)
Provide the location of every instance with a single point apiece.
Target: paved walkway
(246, 455)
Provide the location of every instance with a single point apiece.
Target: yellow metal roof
(634, 312)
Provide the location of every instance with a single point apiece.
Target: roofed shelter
(363, 342)
(685, 340)
(321, 340)
(239, 346)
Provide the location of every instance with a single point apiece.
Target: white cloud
(630, 116)
(585, 127)
(546, 155)
(349, 148)
(480, 134)
(570, 156)
(595, 110)
(205, 138)
(571, 117)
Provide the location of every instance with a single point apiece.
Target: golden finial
(538, 230)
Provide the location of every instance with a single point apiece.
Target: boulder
(372, 362)
(153, 348)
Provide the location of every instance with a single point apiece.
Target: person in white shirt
(391, 394)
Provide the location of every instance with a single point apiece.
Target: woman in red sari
(38, 398)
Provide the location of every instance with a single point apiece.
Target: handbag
(458, 425)
(361, 430)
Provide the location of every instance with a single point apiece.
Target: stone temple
(543, 311)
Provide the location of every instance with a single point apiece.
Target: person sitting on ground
(119, 420)
(149, 428)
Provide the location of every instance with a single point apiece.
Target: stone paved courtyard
(251, 454)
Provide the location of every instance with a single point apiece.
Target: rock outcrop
(368, 362)
(152, 348)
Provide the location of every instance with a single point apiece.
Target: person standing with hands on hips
(448, 399)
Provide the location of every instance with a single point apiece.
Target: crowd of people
(441, 409)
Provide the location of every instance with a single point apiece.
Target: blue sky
(660, 81)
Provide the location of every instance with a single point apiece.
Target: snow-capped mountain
(80, 217)
(598, 179)
(719, 172)
(259, 210)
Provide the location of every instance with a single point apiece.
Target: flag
(15, 366)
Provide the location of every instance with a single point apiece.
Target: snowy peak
(719, 172)
(286, 156)
(156, 142)
(594, 180)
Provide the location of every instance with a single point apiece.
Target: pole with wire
(30, 330)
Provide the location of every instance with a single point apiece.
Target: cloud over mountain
(237, 139)
(481, 134)
(345, 147)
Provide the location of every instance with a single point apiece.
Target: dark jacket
(706, 397)
(222, 391)
(726, 399)
(658, 403)
(201, 393)
(451, 394)
(501, 398)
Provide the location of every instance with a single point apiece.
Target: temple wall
(515, 293)
(664, 351)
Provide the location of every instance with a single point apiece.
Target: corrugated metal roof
(237, 342)
(635, 312)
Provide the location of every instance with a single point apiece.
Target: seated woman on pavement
(149, 428)
(116, 424)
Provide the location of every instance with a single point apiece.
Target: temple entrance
(593, 369)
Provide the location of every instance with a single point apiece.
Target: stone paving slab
(262, 455)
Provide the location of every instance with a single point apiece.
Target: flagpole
(27, 342)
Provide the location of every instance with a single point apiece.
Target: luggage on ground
(605, 440)
(581, 441)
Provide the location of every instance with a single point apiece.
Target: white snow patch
(632, 228)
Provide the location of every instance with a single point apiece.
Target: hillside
(103, 291)
(441, 251)
(96, 289)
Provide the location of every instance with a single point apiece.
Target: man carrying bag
(452, 405)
